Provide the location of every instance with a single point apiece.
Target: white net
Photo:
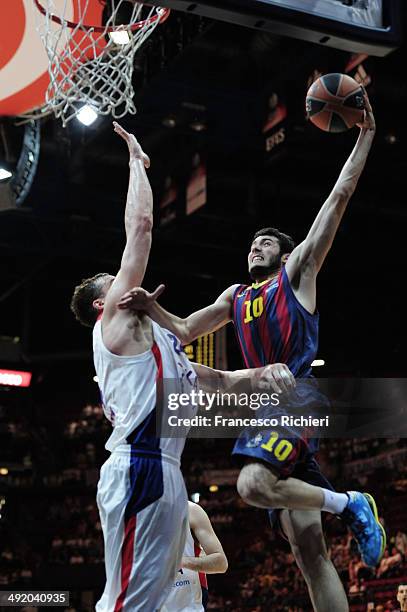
(92, 67)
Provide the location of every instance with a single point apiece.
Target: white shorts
(143, 509)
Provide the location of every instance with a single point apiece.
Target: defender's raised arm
(138, 219)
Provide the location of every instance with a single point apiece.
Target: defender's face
(264, 255)
(402, 597)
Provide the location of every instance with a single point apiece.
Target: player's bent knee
(246, 489)
(255, 484)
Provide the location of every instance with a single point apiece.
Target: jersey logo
(187, 374)
(255, 441)
(176, 344)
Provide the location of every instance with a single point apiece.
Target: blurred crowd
(49, 518)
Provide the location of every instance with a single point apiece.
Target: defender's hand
(135, 150)
(368, 122)
(277, 376)
(139, 299)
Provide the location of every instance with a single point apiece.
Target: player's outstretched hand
(135, 150)
(277, 376)
(139, 299)
(368, 122)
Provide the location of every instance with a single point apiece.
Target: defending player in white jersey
(189, 592)
(141, 493)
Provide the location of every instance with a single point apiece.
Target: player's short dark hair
(287, 243)
(83, 297)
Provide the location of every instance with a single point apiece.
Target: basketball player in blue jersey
(276, 321)
(141, 494)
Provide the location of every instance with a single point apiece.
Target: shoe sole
(373, 508)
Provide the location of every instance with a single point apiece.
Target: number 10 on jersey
(254, 309)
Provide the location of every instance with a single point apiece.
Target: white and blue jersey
(141, 493)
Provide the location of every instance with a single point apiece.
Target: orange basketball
(335, 102)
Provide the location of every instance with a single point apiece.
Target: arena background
(221, 114)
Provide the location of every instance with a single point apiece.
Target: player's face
(402, 597)
(264, 256)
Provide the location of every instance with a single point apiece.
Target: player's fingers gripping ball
(335, 103)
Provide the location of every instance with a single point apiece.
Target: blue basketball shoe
(361, 516)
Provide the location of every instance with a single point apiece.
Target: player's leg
(160, 540)
(311, 555)
(266, 482)
(260, 485)
(143, 508)
(304, 532)
(111, 502)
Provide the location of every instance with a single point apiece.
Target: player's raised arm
(203, 321)
(138, 221)
(307, 258)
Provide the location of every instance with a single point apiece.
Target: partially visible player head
(269, 250)
(402, 597)
(88, 298)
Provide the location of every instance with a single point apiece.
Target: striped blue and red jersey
(273, 327)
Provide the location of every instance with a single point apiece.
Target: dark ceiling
(198, 71)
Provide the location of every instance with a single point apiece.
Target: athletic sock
(334, 503)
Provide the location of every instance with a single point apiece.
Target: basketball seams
(334, 112)
(328, 93)
(331, 117)
(339, 86)
(337, 96)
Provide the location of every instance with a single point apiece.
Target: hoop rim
(136, 26)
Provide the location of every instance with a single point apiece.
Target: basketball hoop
(91, 64)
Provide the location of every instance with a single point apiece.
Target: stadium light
(120, 37)
(15, 378)
(169, 121)
(195, 497)
(318, 362)
(198, 126)
(87, 115)
(95, 379)
(5, 174)
(6, 170)
(3, 471)
(214, 488)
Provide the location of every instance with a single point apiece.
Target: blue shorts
(284, 447)
(288, 451)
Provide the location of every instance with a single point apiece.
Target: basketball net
(92, 65)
